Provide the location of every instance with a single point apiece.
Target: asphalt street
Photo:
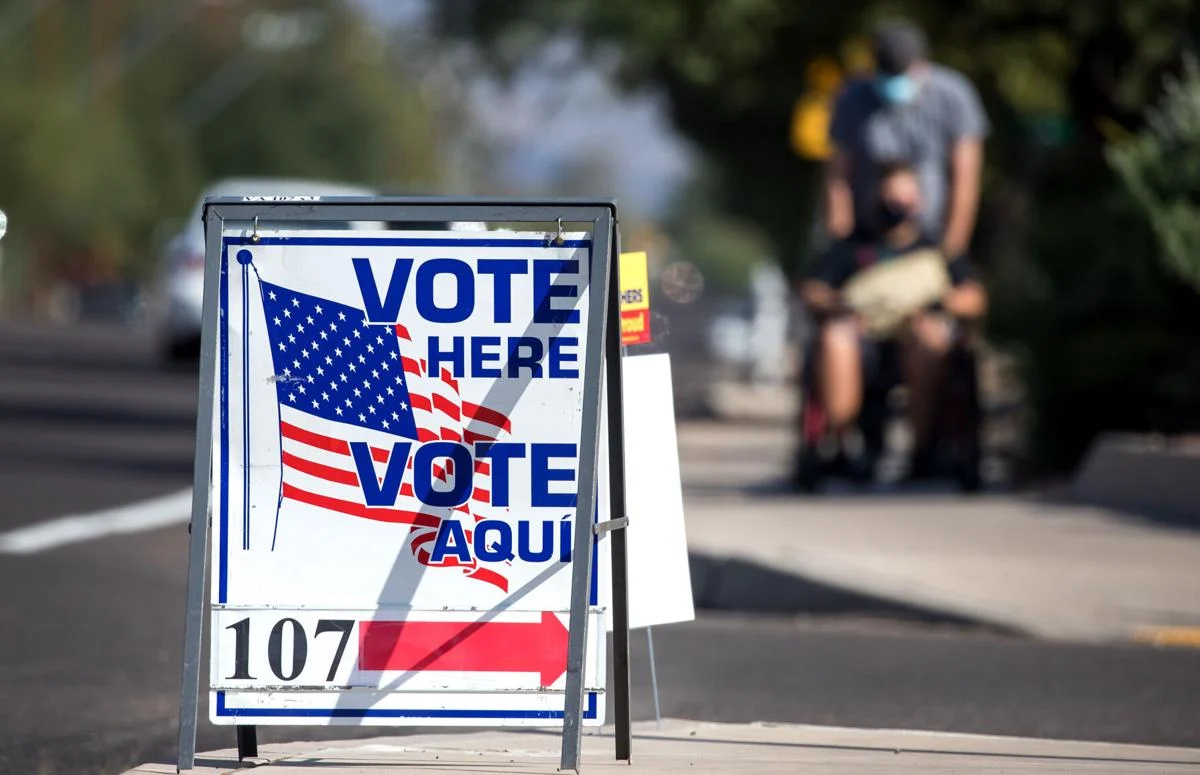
(92, 632)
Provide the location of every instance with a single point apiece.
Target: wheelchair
(957, 429)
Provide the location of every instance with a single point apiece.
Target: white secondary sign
(660, 580)
(395, 454)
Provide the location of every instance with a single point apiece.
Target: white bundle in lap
(888, 292)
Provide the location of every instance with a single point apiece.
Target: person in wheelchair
(888, 283)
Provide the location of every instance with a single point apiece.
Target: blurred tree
(723, 247)
(732, 69)
(1161, 168)
(113, 115)
(332, 107)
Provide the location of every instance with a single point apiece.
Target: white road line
(133, 518)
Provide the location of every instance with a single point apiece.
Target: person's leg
(839, 375)
(926, 346)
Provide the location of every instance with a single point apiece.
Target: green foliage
(723, 248)
(1105, 335)
(75, 178)
(1161, 169)
(88, 176)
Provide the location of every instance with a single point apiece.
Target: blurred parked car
(175, 300)
(177, 295)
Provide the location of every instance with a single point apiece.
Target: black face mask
(891, 216)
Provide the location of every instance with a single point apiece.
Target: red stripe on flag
(481, 495)
(420, 402)
(402, 332)
(490, 416)
(328, 473)
(424, 434)
(450, 435)
(483, 467)
(449, 379)
(473, 437)
(327, 443)
(296, 433)
(489, 576)
(378, 514)
(410, 366)
(446, 407)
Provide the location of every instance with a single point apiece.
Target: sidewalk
(1038, 567)
(686, 746)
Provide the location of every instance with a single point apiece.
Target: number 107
(297, 647)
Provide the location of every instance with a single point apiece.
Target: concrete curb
(1149, 474)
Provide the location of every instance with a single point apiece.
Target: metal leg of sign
(247, 741)
(189, 697)
(614, 352)
(581, 557)
(653, 676)
(621, 710)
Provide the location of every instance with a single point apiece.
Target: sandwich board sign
(396, 491)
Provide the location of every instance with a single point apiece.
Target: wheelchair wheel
(970, 479)
(968, 423)
(807, 468)
(806, 474)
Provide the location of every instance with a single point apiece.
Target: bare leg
(925, 348)
(840, 373)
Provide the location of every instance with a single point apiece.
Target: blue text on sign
(385, 308)
(547, 475)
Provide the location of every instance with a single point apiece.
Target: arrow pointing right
(502, 647)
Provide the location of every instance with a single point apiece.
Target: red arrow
(503, 647)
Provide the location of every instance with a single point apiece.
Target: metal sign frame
(603, 352)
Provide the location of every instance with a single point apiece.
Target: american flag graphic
(341, 380)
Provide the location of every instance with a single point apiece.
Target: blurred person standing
(912, 111)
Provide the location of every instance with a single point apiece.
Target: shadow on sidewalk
(731, 584)
(836, 488)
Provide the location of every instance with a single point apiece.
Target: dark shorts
(879, 356)
(872, 353)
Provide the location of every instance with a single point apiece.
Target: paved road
(89, 658)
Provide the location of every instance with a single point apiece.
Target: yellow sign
(635, 299)
(814, 109)
(810, 126)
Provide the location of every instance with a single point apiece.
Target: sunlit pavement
(93, 630)
(1029, 563)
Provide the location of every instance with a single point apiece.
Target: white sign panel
(660, 580)
(395, 452)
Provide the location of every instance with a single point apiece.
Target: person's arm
(819, 290)
(820, 298)
(967, 301)
(966, 166)
(967, 128)
(839, 201)
(967, 298)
